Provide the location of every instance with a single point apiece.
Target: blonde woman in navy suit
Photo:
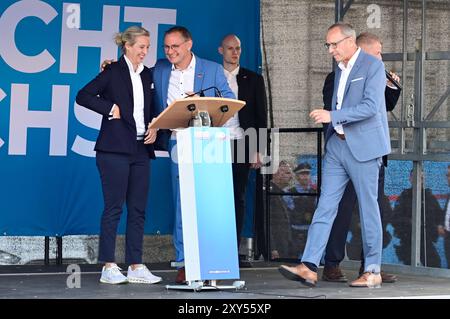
(122, 93)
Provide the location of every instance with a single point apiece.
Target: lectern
(206, 191)
(178, 114)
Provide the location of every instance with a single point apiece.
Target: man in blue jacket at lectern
(181, 74)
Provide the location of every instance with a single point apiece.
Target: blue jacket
(363, 113)
(207, 74)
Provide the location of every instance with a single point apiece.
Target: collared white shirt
(236, 132)
(447, 216)
(181, 81)
(138, 96)
(342, 83)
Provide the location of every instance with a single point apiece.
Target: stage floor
(262, 282)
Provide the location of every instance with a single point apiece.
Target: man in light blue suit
(354, 143)
(181, 74)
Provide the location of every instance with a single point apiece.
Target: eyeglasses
(334, 45)
(173, 46)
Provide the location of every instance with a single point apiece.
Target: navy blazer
(253, 92)
(113, 86)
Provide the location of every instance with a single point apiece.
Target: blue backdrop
(49, 183)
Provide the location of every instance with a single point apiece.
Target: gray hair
(345, 28)
(129, 36)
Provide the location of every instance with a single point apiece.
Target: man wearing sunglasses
(355, 141)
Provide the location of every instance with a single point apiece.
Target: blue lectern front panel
(207, 202)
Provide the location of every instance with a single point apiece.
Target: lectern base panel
(200, 285)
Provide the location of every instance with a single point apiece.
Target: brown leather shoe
(385, 277)
(367, 280)
(181, 276)
(299, 273)
(333, 274)
(388, 278)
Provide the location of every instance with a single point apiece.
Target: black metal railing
(267, 189)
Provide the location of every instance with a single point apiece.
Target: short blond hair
(367, 38)
(129, 36)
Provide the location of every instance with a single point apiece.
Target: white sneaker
(113, 276)
(142, 275)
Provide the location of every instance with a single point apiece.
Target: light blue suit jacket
(363, 113)
(207, 74)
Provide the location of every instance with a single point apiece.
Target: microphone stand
(201, 93)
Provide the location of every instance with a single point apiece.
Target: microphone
(201, 93)
(217, 92)
(390, 78)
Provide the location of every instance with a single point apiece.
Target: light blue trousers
(340, 166)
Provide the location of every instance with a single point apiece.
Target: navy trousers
(241, 170)
(125, 178)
